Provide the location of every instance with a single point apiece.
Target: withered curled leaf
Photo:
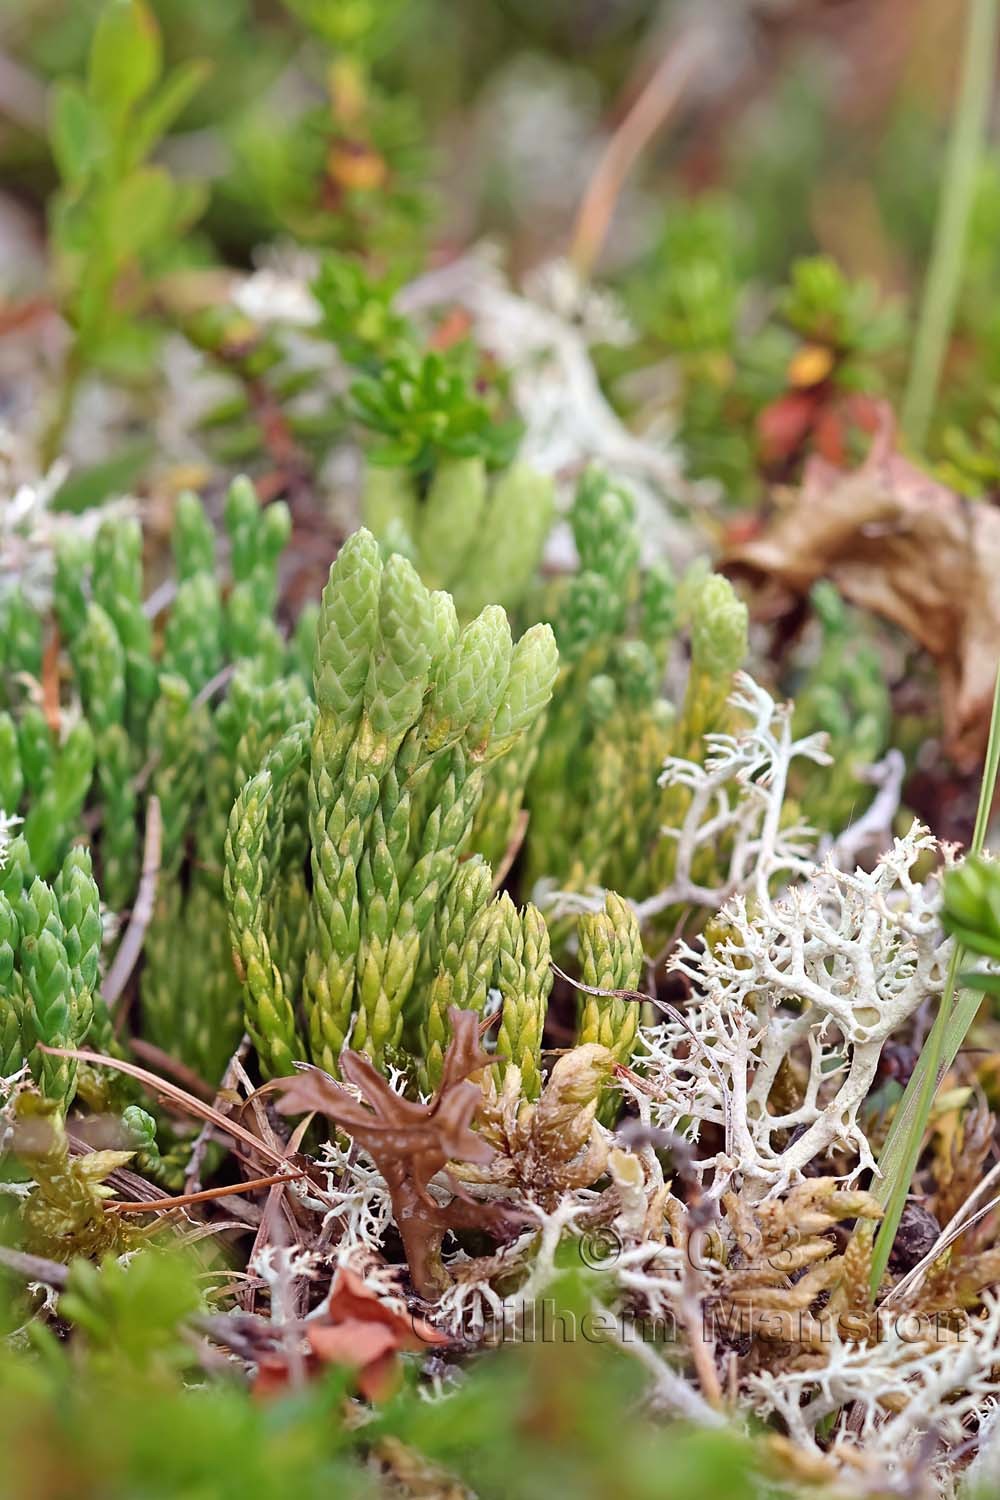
(897, 542)
(357, 1329)
(553, 1145)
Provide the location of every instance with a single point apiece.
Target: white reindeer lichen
(830, 968)
(737, 798)
(356, 1205)
(359, 1209)
(735, 806)
(913, 1395)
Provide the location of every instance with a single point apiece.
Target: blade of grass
(176, 1096)
(901, 1152)
(965, 148)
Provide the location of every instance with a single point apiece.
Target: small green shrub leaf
(125, 56)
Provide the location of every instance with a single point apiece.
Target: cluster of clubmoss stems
(479, 537)
(50, 943)
(171, 706)
(412, 713)
(353, 909)
(596, 807)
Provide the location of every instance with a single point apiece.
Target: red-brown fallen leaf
(366, 1333)
(351, 1343)
(813, 418)
(353, 1300)
(360, 1331)
(784, 425)
(840, 421)
(272, 1377)
(897, 542)
(364, 1347)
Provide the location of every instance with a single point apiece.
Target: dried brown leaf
(553, 1145)
(897, 542)
(959, 1160)
(357, 1329)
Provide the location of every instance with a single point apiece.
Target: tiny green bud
(586, 616)
(533, 668)
(348, 622)
(471, 680)
(637, 672)
(398, 674)
(193, 538)
(718, 629)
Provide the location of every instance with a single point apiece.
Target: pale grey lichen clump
(832, 967)
(905, 1391)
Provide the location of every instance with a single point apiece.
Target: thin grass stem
(944, 274)
(901, 1152)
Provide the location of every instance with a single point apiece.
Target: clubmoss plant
(411, 711)
(479, 535)
(844, 694)
(109, 707)
(595, 795)
(50, 943)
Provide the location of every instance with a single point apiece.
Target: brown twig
(185, 1101)
(167, 1063)
(142, 912)
(244, 1334)
(160, 599)
(291, 465)
(692, 1311)
(657, 101)
(206, 693)
(255, 1103)
(192, 1179)
(513, 848)
(50, 681)
(34, 1267)
(161, 1205)
(269, 1229)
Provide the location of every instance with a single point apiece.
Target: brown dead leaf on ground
(360, 1331)
(898, 543)
(410, 1142)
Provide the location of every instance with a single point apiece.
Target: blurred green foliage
(338, 125)
(563, 1414)
(179, 134)
(844, 694)
(422, 406)
(117, 213)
